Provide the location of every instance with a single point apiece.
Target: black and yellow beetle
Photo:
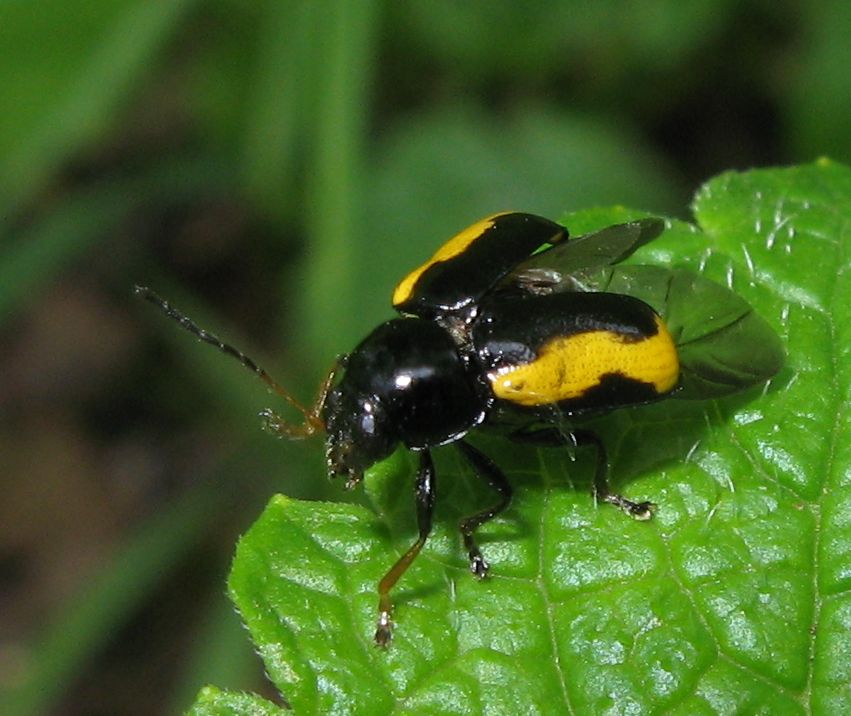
(499, 329)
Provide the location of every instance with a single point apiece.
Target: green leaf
(736, 598)
(212, 702)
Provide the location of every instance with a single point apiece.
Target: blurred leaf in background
(273, 167)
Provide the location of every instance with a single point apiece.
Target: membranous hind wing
(561, 267)
(724, 346)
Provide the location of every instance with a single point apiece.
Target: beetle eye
(367, 423)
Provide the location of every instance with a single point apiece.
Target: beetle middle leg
(424, 491)
(485, 468)
(554, 437)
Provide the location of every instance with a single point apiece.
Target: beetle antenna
(312, 418)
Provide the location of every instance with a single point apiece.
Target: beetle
(497, 329)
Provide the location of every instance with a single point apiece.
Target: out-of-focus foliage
(273, 167)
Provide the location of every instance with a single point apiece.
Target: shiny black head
(359, 433)
(405, 383)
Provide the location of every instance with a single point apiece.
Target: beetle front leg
(313, 423)
(424, 491)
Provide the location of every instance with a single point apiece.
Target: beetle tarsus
(478, 565)
(384, 629)
(424, 491)
(641, 511)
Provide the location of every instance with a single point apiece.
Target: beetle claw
(384, 630)
(641, 511)
(478, 566)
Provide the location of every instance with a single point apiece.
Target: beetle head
(358, 433)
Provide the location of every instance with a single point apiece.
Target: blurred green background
(273, 167)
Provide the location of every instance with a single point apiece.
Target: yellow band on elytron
(567, 367)
(455, 246)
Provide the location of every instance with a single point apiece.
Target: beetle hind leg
(553, 437)
(486, 469)
(602, 492)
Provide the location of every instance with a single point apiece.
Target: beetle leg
(424, 491)
(275, 424)
(638, 510)
(553, 437)
(485, 468)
